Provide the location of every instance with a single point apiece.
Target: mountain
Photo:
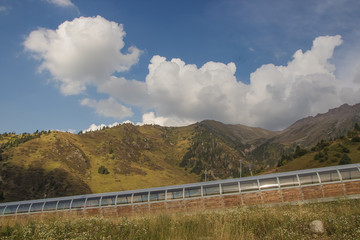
(307, 132)
(120, 158)
(217, 148)
(51, 164)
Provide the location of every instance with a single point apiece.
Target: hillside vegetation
(51, 164)
(342, 150)
(60, 164)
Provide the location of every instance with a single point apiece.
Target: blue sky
(69, 64)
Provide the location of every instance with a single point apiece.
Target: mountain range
(51, 164)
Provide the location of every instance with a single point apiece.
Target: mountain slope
(217, 148)
(342, 150)
(306, 133)
(131, 157)
(135, 157)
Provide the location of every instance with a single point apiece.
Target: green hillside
(59, 164)
(51, 164)
(343, 150)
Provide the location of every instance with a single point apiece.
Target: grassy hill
(58, 164)
(343, 150)
(306, 133)
(51, 164)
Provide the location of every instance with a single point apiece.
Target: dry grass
(50, 151)
(341, 220)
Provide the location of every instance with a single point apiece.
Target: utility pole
(240, 167)
(205, 174)
(250, 170)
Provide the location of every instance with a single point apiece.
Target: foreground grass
(341, 220)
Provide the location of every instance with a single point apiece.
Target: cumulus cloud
(88, 51)
(276, 96)
(279, 95)
(93, 127)
(81, 52)
(150, 118)
(62, 130)
(186, 92)
(129, 91)
(108, 108)
(61, 3)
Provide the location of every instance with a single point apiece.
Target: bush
(333, 160)
(322, 157)
(103, 170)
(342, 149)
(355, 139)
(320, 145)
(345, 160)
(300, 152)
(351, 134)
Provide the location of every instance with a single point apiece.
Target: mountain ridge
(130, 157)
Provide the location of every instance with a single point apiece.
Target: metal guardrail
(267, 182)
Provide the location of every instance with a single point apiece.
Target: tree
(299, 152)
(345, 160)
(355, 139)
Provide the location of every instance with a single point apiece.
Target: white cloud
(3, 8)
(108, 108)
(129, 91)
(62, 130)
(93, 127)
(87, 51)
(276, 96)
(61, 3)
(183, 91)
(81, 52)
(150, 118)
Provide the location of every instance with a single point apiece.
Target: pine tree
(345, 160)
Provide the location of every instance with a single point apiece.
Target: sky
(68, 64)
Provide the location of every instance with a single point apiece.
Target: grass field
(341, 220)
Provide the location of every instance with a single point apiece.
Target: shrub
(103, 170)
(300, 152)
(320, 145)
(345, 160)
(321, 156)
(342, 149)
(333, 160)
(351, 134)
